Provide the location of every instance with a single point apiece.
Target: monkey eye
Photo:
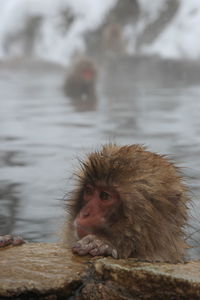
(104, 195)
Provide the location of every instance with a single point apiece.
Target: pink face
(98, 205)
(88, 74)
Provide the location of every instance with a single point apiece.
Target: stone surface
(39, 269)
(47, 271)
(150, 280)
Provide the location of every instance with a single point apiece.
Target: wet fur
(154, 199)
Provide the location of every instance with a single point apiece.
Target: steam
(53, 30)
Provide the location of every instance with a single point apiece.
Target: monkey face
(88, 75)
(99, 209)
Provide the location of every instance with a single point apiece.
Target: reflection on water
(43, 131)
(9, 203)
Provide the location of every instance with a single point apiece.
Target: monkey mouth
(82, 231)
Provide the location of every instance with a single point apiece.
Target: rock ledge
(47, 271)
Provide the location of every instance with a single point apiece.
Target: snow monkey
(128, 202)
(81, 81)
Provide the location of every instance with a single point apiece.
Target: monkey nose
(85, 214)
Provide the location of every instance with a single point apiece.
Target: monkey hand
(90, 244)
(9, 240)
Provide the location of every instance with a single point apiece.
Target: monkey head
(129, 202)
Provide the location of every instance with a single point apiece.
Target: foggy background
(147, 57)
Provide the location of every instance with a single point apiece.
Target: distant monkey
(113, 39)
(81, 80)
(128, 202)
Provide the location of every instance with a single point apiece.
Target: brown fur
(154, 202)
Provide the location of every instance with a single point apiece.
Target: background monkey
(81, 81)
(129, 203)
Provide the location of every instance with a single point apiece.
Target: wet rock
(39, 270)
(130, 279)
(47, 271)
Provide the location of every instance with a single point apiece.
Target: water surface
(42, 132)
